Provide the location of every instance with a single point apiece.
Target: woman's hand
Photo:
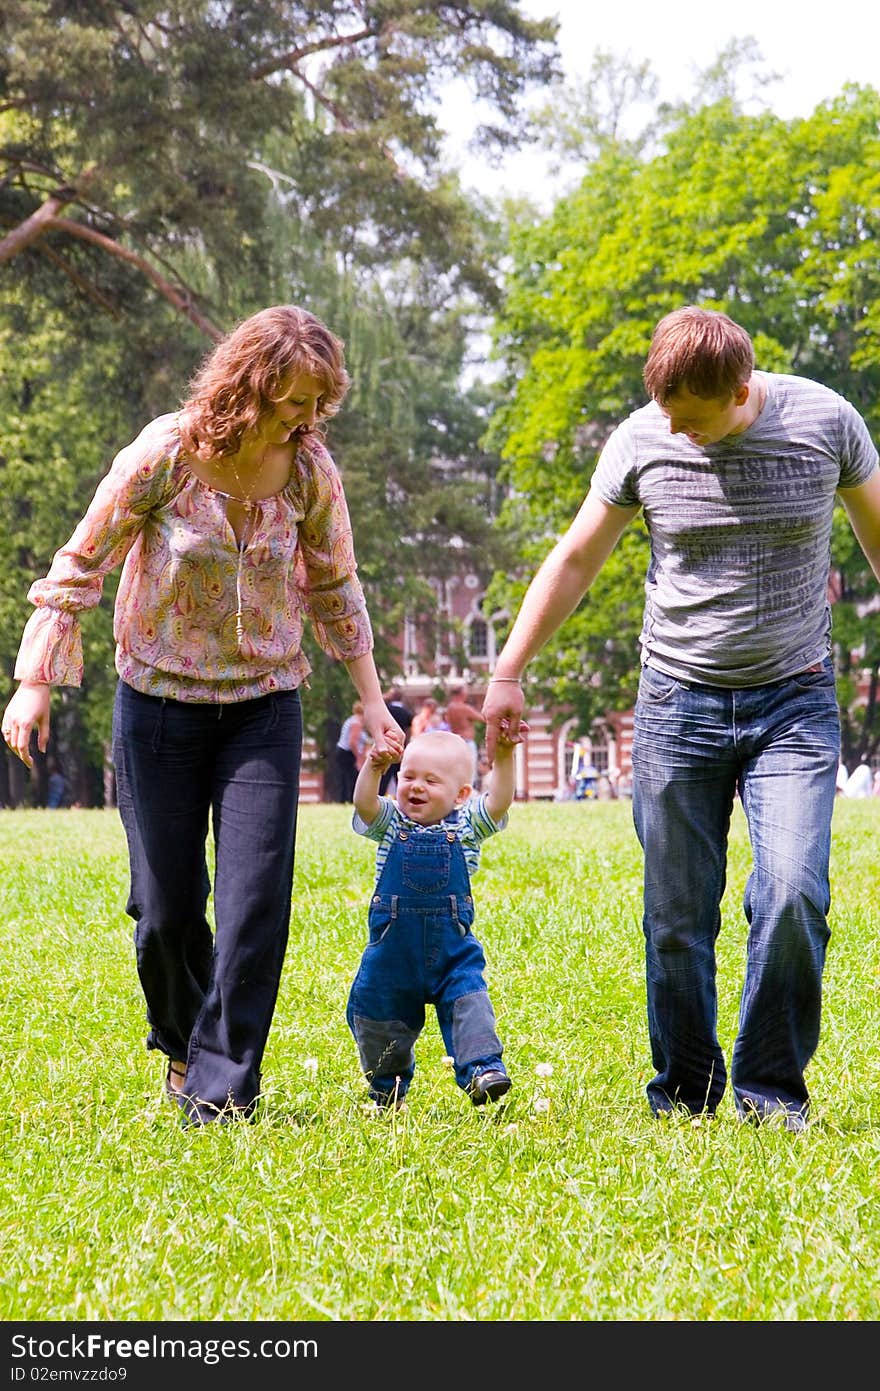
(27, 710)
(381, 724)
(387, 735)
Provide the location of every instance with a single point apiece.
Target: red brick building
(467, 659)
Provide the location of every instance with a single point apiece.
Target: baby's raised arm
(366, 789)
(501, 787)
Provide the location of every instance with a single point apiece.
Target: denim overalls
(421, 951)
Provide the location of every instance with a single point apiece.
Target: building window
(478, 639)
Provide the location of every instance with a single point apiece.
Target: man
(736, 472)
(403, 715)
(463, 719)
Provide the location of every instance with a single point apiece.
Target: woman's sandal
(175, 1069)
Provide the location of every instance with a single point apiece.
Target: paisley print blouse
(184, 580)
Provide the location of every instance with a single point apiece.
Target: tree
(420, 489)
(63, 403)
(167, 171)
(139, 133)
(615, 106)
(774, 222)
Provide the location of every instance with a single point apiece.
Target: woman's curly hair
(248, 371)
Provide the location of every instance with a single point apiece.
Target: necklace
(246, 498)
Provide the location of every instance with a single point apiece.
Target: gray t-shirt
(736, 592)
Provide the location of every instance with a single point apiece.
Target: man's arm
(366, 788)
(554, 593)
(862, 506)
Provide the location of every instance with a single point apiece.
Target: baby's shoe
(388, 1101)
(489, 1086)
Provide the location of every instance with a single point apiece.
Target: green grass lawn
(566, 1202)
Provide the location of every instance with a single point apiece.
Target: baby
(422, 949)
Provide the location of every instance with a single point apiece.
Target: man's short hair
(698, 350)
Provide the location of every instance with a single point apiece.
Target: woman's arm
(51, 647)
(381, 724)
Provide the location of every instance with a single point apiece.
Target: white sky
(814, 47)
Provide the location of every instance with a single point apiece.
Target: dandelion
(541, 1105)
(446, 1061)
(310, 1065)
(543, 1069)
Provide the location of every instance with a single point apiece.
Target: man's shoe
(489, 1086)
(792, 1118)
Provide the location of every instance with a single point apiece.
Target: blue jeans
(694, 747)
(210, 996)
(422, 950)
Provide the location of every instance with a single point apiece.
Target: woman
(349, 751)
(231, 520)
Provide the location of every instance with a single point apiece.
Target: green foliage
(565, 1203)
(421, 490)
(156, 124)
(72, 393)
(601, 111)
(774, 222)
(233, 156)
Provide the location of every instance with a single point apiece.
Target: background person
(736, 473)
(350, 751)
(858, 784)
(56, 787)
(230, 518)
(422, 718)
(463, 719)
(402, 714)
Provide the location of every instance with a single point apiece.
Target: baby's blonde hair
(450, 747)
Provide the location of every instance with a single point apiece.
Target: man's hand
(502, 711)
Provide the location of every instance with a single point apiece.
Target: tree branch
(35, 225)
(79, 281)
(349, 127)
(295, 55)
(184, 302)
